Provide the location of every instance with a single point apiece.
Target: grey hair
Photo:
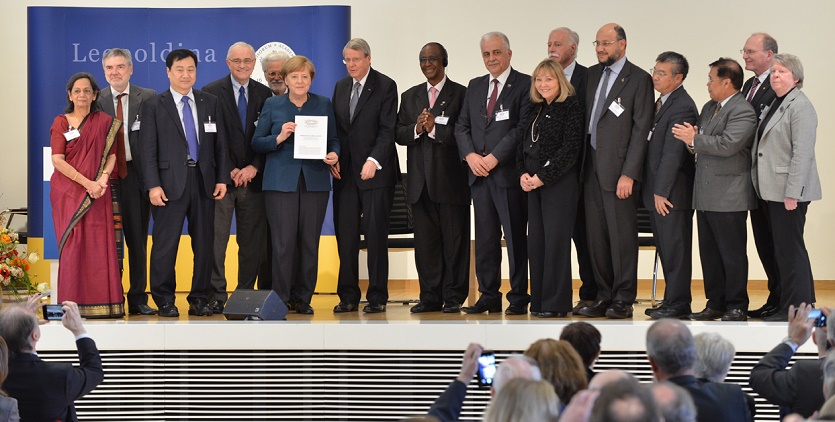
(670, 345)
(714, 355)
(492, 34)
(829, 375)
(573, 36)
(16, 326)
(272, 57)
(358, 44)
(791, 62)
(117, 52)
(238, 44)
(515, 366)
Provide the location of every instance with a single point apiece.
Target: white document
(311, 138)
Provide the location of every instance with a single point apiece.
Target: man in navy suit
(488, 132)
(365, 108)
(244, 197)
(185, 163)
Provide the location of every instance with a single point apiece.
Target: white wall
(702, 31)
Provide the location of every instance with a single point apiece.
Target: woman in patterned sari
(83, 155)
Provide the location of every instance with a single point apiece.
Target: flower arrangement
(14, 265)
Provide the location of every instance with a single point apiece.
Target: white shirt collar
(116, 93)
(439, 86)
(179, 97)
(236, 85)
(503, 77)
(569, 70)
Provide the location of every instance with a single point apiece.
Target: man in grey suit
(122, 100)
(723, 192)
(668, 183)
(488, 132)
(619, 116)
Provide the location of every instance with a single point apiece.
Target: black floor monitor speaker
(259, 305)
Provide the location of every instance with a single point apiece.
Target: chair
(646, 241)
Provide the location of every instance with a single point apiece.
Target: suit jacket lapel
(761, 90)
(617, 86)
(780, 112)
(227, 97)
(106, 101)
(134, 101)
(443, 99)
(422, 98)
(511, 80)
(168, 103)
(202, 116)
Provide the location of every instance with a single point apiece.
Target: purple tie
(753, 91)
(191, 131)
(491, 103)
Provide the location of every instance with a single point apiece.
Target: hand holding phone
(53, 312)
(486, 368)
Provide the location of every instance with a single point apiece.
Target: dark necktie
(658, 105)
(352, 105)
(598, 111)
(715, 112)
(191, 131)
(121, 164)
(242, 107)
(753, 91)
(491, 103)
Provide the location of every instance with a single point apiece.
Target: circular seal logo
(264, 51)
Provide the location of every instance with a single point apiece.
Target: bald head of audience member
(515, 366)
(611, 376)
(625, 401)
(674, 403)
(670, 349)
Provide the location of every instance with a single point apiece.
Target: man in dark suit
(185, 164)
(619, 115)
(723, 191)
(668, 183)
(672, 353)
(798, 389)
(562, 48)
(488, 131)
(123, 101)
(241, 99)
(758, 54)
(47, 391)
(437, 184)
(365, 108)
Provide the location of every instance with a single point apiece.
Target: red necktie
(121, 163)
(753, 89)
(491, 104)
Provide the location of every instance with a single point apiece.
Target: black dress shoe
(345, 307)
(142, 309)
(199, 308)
(304, 309)
(168, 310)
(735, 315)
(582, 304)
(374, 308)
(516, 309)
(649, 311)
(452, 307)
(779, 316)
(707, 315)
(670, 312)
(619, 310)
(763, 311)
(481, 307)
(425, 307)
(216, 306)
(596, 310)
(549, 314)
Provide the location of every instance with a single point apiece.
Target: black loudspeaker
(259, 305)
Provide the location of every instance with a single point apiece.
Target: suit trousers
(551, 213)
(296, 223)
(763, 238)
(442, 250)
(251, 225)
(722, 246)
(674, 239)
(136, 213)
(195, 205)
(798, 284)
(612, 228)
(500, 208)
(588, 288)
(374, 205)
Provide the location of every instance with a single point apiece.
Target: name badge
(71, 134)
(441, 120)
(616, 108)
(135, 126)
(701, 131)
(764, 112)
(502, 115)
(210, 127)
(649, 137)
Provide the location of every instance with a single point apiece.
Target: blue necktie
(598, 111)
(191, 131)
(242, 107)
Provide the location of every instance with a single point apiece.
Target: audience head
(714, 355)
(674, 403)
(605, 378)
(670, 349)
(515, 366)
(4, 363)
(585, 339)
(19, 328)
(758, 52)
(560, 365)
(610, 44)
(829, 375)
(625, 401)
(524, 400)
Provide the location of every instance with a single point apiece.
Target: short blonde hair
(554, 69)
(560, 365)
(524, 400)
(295, 64)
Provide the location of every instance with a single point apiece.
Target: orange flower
(5, 238)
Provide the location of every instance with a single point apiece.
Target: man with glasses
(271, 65)
(619, 115)
(668, 183)
(241, 99)
(723, 191)
(758, 54)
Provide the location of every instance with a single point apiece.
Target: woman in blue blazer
(295, 190)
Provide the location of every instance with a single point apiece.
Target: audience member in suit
(798, 389)
(758, 54)
(723, 192)
(714, 356)
(785, 175)
(562, 48)
(547, 162)
(297, 189)
(437, 184)
(241, 99)
(47, 391)
(586, 341)
(134, 206)
(619, 116)
(488, 131)
(8, 405)
(668, 184)
(672, 353)
(365, 105)
(185, 163)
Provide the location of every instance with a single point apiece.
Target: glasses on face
(659, 73)
(352, 61)
(603, 43)
(432, 60)
(237, 62)
(749, 52)
(273, 74)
